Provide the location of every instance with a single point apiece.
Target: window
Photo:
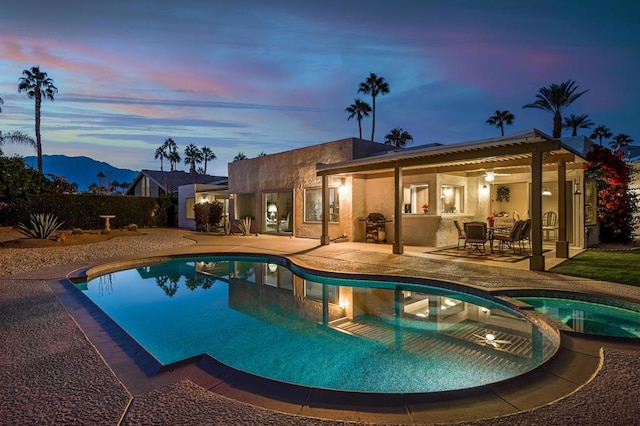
(416, 198)
(452, 198)
(279, 277)
(313, 205)
(313, 290)
(189, 205)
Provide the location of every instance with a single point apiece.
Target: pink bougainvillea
(616, 204)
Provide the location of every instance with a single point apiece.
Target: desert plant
(42, 226)
(244, 225)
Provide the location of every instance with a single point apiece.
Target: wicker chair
(461, 234)
(525, 235)
(476, 233)
(549, 220)
(512, 237)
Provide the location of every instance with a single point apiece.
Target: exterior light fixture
(489, 176)
(546, 192)
(272, 267)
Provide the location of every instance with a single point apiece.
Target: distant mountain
(82, 171)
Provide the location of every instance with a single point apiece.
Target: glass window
(313, 290)
(452, 199)
(416, 198)
(313, 205)
(189, 205)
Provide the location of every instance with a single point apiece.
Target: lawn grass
(604, 265)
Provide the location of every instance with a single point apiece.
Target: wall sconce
(546, 192)
(272, 267)
(576, 187)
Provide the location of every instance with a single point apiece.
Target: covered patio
(468, 173)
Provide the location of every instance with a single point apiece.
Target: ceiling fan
(490, 339)
(490, 175)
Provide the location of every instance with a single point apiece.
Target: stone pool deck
(61, 363)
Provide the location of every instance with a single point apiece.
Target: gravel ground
(12, 260)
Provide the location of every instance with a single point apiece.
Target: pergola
(530, 149)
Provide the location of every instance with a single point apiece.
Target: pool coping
(574, 364)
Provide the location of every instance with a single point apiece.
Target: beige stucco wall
(296, 170)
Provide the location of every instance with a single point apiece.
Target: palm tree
(37, 84)
(192, 157)
(124, 186)
(262, 154)
(100, 177)
(575, 122)
(16, 137)
(358, 109)
(161, 154)
(620, 141)
(174, 159)
(207, 155)
(398, 137)
(500, 118)
(239, 157)
(601, 132)
(555, 99)
(375, 86)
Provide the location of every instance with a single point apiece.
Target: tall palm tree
(358, 109)
(207, 155)
(601, 132)
(100, 177)
(161, 153)
(575, 122)
(17, 138)
(37, 84)
(240, 157)
(375, 86)
(398, 137)
(500, 118)
(555, 99)
(192, 157)
(174, 159)
(620, 142)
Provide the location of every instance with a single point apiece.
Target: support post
(398, 244)
(536, 263)
(324, 239)
(562, 245)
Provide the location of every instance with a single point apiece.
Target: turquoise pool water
(255, 315)
(589, 317)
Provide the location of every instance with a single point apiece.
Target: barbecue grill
(375, 228)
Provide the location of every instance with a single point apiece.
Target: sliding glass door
(278, 211)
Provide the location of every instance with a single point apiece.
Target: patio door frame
(277, 211)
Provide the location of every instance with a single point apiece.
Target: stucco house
(326, 191)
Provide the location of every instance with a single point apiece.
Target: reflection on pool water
(255, 315)
(589, 317)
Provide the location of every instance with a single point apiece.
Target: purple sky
(251, 76)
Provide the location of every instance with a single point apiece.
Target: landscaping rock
(77, 231)
(132, 227)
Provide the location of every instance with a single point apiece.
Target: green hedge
(83, 210)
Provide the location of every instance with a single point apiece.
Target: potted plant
(492, 219)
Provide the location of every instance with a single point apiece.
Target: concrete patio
(63, 363)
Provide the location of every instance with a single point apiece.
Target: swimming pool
(254, 314)
(590, 316)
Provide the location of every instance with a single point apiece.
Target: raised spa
(255, 315)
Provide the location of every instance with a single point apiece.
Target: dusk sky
(252, 76)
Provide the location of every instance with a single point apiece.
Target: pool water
(589, 317)
(255, 315)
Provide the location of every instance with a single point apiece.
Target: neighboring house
(326, 191)
(153, 183)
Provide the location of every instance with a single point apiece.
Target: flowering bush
(616, 204)
(491, 217)
(425, 207)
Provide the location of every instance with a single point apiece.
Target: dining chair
(461, 234)
(510, 238)
(476, 233)
(549, 220)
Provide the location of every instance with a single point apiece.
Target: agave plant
(42, 226)
(245, 225)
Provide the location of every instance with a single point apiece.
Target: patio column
(324, 239)
(562, 245)
(398, 244)
(536, 263)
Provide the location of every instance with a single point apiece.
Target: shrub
(208, 215)
(42, 226)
